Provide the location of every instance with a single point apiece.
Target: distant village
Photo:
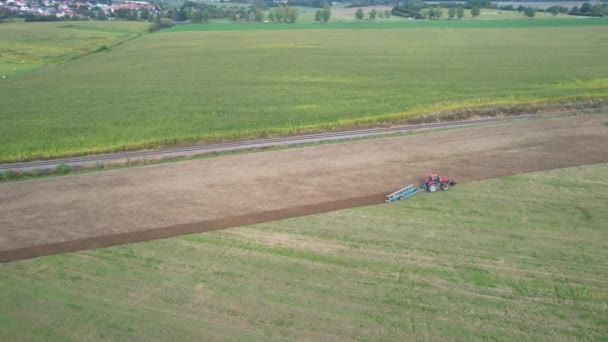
(51, 10)
(200, 11)
(204, 10)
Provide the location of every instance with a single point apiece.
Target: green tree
(271, 16)
(160, 23)
(586, 8)
(279, 14)
(597, 10)
(530, 12)
(181, 14)
(5, 13)
(373, 14)
(259, 15)
(474, 12)
(438, 12)
(156, 25)
(435, 13)
(480, 3)
(144, 14)
(196, 15)
(318, 16)
(555, 10)
(359, 14)
(326, 13)
(452, 12)
(460, 12)
(291, 15)
(387, 14)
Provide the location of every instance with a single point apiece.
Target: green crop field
(27, 46)
(190, 84)
(515, 258)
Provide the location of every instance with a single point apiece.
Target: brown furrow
(183, 229)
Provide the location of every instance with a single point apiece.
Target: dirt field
(91, 210)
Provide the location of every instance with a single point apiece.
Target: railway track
(189, 151)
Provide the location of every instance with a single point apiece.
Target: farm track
(190, 151)
(76, 212)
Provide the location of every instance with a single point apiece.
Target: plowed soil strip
(183, 229)
(76, 212)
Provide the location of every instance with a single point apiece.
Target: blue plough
(403, 193)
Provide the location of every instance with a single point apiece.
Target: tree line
(418, 9)
(372, 15)
(283, 14)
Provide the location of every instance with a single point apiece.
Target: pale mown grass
(515, 258)
(184, 87)
(24, 46)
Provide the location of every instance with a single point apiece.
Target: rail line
(190, 151)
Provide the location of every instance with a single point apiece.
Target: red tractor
(434, 182)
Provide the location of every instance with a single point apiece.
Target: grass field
(516, 258)
(185, 86)
(401, 23)
(27, 46)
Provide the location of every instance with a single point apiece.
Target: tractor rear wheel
(432, 187)
(445, 186)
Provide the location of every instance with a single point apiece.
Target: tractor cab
(434, 182)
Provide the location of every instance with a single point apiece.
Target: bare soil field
(75, 212)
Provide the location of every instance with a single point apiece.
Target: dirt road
(55, 215)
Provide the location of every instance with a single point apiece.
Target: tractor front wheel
(445, 186)
(432, 187)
